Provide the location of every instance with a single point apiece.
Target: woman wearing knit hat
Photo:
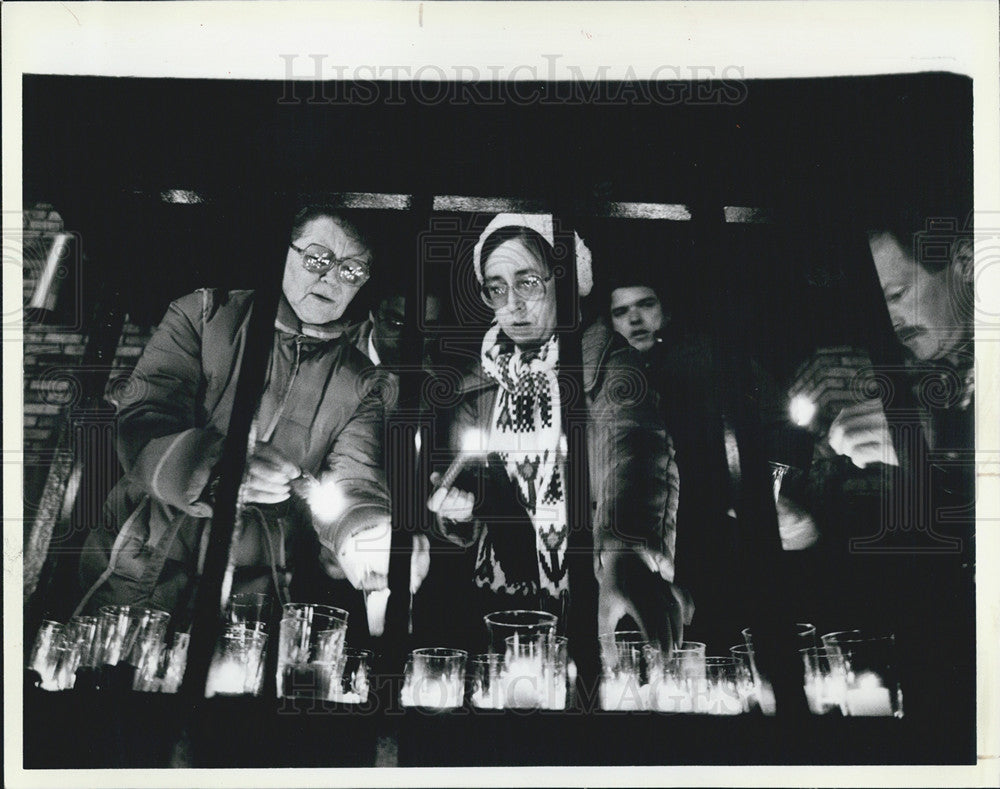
(510, 507)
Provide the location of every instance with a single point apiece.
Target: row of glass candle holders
(845, 672)
(122, 644)
(127, 647)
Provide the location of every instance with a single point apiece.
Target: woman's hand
(451, 503)
(268, 477)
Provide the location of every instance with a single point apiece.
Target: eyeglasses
(529, 287)
(317, 259)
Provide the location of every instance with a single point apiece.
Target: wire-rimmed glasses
(317, 259)
(529, 287)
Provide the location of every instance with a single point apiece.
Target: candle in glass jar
(227, 677)
(489, 700)
(621, 692)
(869, 698)
(523, 683)
(436, 693)
(667, 696)
(719, 700)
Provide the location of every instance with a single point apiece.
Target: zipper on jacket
(288, 390)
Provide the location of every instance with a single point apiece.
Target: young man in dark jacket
(317, 433)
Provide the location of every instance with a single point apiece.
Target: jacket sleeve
(161, 444)
(637, 485)
(452, 425)
(355, 465)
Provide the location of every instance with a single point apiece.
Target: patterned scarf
(526, 433)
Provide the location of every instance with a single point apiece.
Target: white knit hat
(543, 225)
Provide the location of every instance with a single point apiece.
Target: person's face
(388, 326)
(920, 301)
(321, 298)
(527, 321)
(636, 314)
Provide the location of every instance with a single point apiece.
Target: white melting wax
(432, 692)
(870, 698)
(621, 692)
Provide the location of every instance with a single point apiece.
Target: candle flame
(802, 410)
(473, 440)
(326, 500)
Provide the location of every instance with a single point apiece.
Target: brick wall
(50, 355)
(130, 346)
(53, 355)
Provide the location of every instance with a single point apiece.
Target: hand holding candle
(269, 476)
(453, 503)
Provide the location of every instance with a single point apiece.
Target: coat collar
(287, 321)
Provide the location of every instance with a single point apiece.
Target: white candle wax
(346, 698)
(621, 692)
(669, 696)
(435, 692)
(493, 700)
(524, 686)
(719, 700)
(869, 698)
(226, 677)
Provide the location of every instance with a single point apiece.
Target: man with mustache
(317, 432)
(928, 296)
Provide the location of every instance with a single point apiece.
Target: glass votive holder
(674, 680)
(746, 676)
(534, 673)
(434, 678)
(125, 632)
(870, 675)
(250, 609)
(719, 693)
(805, 632)
(832, 640)
(308, 634)
(238, 663)
(628, 661)
(349, 682)
(47, 652)
(824, 680)
(485, 674)
(149, 668)
(689, 661)
(500, 625)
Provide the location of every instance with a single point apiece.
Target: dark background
(825, 158)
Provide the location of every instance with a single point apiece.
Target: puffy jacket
(320, 408)
(634, 485)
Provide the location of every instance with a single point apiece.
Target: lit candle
(226, 677)
(719, 700)
(670, 696)
(489, 700)
(523, 683)
(473, 446)
(435, 692)
(621, 692)
(869, 698)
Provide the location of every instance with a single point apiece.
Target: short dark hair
(632, 277)
(531, 239)
(353, 219)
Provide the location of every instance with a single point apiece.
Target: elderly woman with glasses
(317, 432)
(509, 506)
